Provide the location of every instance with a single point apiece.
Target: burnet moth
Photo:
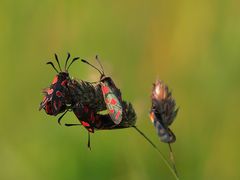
(57, 97)
(112, 95)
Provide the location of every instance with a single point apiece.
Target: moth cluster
(99, 105)
(87, 100)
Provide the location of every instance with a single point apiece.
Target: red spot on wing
(113, 101)
(55, 79)
(64, 83)
(59, 94)
(105, 89)
(85, 124)
(118, 114)
(50, 91)
(111, 111)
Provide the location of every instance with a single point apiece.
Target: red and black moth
(87, 101)
(112, 95)
(89, 112)
(120, 113)
(57, 98)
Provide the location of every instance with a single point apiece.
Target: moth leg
(60, 118)
(89, 142)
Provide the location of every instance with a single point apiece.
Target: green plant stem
(172, 158)
(160, 153)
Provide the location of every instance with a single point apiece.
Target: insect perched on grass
(84, 99)
(57, 97)
(114, 103)
(92, 120)
(163, 113)
(112, 95)
(98, 105)
(119, 114)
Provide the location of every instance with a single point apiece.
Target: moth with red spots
(112, 95)
(57, 97)
(92, 120)
(95, 121)
(88, 101)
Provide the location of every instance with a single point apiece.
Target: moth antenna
(72, 125)
(94, 82)
(160, 153)
(74, 59)
(84, 61)
(53, 66)
(56, 57)
(68, 57)
(100, 64)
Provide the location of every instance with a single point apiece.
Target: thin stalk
(160, 153)
(172, 158)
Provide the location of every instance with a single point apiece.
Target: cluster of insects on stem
(87, 100)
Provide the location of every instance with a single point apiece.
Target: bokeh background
(192, 45)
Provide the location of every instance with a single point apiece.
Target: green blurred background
(192, 45)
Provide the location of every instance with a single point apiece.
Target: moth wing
(114, 108)
(113, 104)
